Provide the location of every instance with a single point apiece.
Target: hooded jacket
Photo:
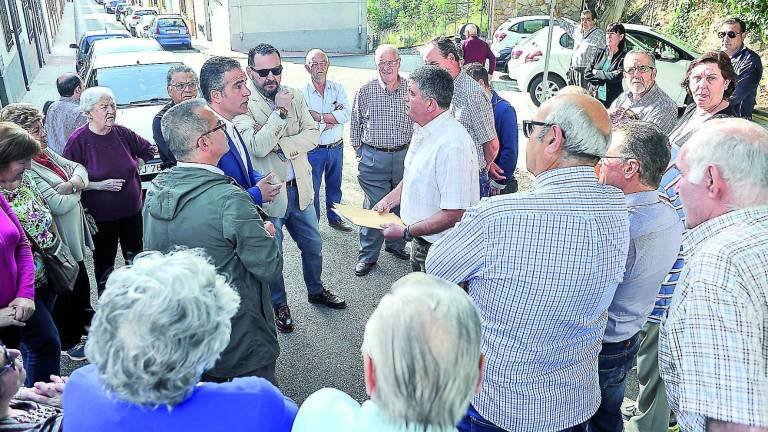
(196, 208)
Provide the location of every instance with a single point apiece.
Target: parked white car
(526, 66)
(136, 15)
(516, 30)
(144, 25)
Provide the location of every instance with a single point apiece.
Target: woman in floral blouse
(38, 337)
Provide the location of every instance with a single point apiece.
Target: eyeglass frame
(388, 63)
(187, 85)
(721, 35)
(315, 64)
(631, 71)
(219, 125)
(275, 71)
(528, 126)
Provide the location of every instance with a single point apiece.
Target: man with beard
(182, 85)
(278, 131)
(644, 98)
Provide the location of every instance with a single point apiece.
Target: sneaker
(77, 352)
(675, 428)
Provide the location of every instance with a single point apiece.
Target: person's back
(245, 404)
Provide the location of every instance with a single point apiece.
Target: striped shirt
(542, 268)
(585, 47)
(63, 118)
(655, 107)
(472, 108)
(379, 118)
(712, 344)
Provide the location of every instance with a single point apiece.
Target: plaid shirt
(542, 269)
(585, 47)
(379, 117)
(63, 118)
(655, 107)
(713, 353)
(472, 108)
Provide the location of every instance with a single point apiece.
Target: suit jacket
(271, 141)
(242, 173)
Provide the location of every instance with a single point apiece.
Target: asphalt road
(324, 349)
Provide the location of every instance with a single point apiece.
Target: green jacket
(197, 208)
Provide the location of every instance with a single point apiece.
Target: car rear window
(146, 12)
(171, 22)
(136, 82)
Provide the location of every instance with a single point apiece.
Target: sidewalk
(59, 61)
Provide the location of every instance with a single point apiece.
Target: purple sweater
(110, 156)
(17, 278)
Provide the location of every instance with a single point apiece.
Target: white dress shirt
(239, 145)
(333, 97)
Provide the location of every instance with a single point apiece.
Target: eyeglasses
(265, 72)
(316, 64)
(731, 34)
(641, 69)
(529, 125)
(10, 363)
(388, 63)
(185, 85)
(219, 125)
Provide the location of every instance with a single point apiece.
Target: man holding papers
(440, 180)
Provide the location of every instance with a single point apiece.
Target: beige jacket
(264, 133)
(66, 209)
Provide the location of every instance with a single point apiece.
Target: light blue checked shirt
(542, 268)
(713, 344)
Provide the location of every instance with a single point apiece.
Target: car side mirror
(73, 46)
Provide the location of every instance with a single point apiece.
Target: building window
(6, 23)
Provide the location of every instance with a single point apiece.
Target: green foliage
(753, 12)
(682, 21)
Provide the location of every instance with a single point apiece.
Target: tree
(753, 12)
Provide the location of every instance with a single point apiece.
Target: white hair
(470, 30)
(384, 48)
(424, 342)
(582, 137)
(312, 53)
(740, 149)
(91, 96)
(161, 322)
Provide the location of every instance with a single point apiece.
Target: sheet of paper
(367, 218)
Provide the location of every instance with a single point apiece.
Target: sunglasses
(731, 34)
(265, 72)
(10, 363)
(219, 125)
(529, 125)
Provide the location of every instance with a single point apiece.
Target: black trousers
(128, 231)
(72, 312)
(267, 372)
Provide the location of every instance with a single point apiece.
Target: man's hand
(496, 172)
(45, 393)
(23, 308)
(392, 231)
(492, 191)
(8, 318)
(382, 206)
(112, 185)
(270, 227)
(315, 115)
(64, 188)
(283, 99)
(268, 190)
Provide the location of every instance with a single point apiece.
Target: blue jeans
(474, 422)
(485, 185)
(614, 362)
(302, 225)
(327, 162)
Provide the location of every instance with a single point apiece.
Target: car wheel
(536, 88)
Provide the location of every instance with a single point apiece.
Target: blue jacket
(233, 166)
(749, 68)
(505, 120)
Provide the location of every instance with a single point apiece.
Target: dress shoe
(340, 225)
(401, 253)
(363, 268)
(329, 299)
(283, 319)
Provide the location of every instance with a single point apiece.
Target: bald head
(590, 107)
(69, 85)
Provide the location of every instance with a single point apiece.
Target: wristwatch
(407, 234)
(283, 112)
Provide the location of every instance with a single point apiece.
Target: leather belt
(331, 145)
(390, 150)
(291, 183)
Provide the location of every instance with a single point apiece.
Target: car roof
(679, 43)
(526, 18)
(134, 58)
(144, 8)
(169, 16)
(105, 33)
(105, 46)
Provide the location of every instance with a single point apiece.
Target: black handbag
(61, 268)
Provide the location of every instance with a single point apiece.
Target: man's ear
(631, 168)
(556, 142)
(306, 66)
(369, 375)
(717, 186)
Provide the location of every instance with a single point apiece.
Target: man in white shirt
(441, 179)
(328, 105)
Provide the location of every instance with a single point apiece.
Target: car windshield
(677, 41)
(136, 84)
(146, 12)
(139, 45)
(171, 22)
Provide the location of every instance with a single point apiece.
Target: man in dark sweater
(182, 85)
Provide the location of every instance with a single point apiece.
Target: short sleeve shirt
(472, 108)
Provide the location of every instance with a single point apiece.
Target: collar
(372, 417)
(739, 51)
(228, 123)
(311, 87)
(206, 167)
(693, 239)
(654, 89)
(400, 83)
(434, 126)
(69, 99)
(642, 198)
(558, 177)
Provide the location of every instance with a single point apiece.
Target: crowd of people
(644, 239)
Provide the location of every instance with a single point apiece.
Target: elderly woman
(607, 69)
(30, 302)
(111, 155)
(161, 322)
(61, 182)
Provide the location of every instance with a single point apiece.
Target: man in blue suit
(223, 84)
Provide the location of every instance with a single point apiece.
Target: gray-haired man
(421, 362)
(182, 85)
(196, 205)
(588, 41)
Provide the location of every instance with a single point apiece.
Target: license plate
(172, 31)
(149, 169)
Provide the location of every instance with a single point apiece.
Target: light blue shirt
(655, 234)
(331, 410)
(542, 269)
(332, 101)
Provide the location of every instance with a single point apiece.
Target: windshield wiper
(151, 101)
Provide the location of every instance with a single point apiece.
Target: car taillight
(135, 17)
(517, 53)
(502, 35)
(532, 57)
